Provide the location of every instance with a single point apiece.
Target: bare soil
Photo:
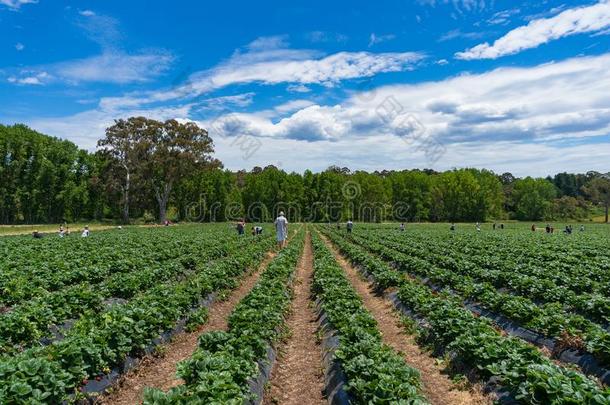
(437, 386)
(297, 375)
(160, 372)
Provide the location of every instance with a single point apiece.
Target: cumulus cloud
(540, 31)
(505, 109)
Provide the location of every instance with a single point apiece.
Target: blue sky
(506, 85)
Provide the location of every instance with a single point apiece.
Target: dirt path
(297, 376)
(161, 372)
(437, 386)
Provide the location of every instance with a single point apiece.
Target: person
(62, 232)
(166, 222)
(281, 230)
(338, 226)
(582, 228)
(501, 226)
(548, 228)
(241, 227)
(402, 227)
(253, 231)
(452, 228)
(349, 225)
(494, 226)
(36, 235)
(120, 227)
(534, 228)
(478, 226)
(258, 229)
(552, 229)
(85, 232)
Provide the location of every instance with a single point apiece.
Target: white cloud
(540, 31)
(112, 66)
(16, 4)
(457, 33)
(479, 118)
(86, 13)
(115, 67)
(30, 78)
(460, 6)
(503, 17)
(293, 105)
(298, 88)
(375, 39)
(19, 46)
(268, 61)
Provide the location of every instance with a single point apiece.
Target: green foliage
(164, 288)
(220, 369)
(472, 340)
(375, 373)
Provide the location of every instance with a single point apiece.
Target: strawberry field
(198, 314)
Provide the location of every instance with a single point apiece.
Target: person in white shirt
(281, 230)
(85, 232)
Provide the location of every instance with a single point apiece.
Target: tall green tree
(599, 191)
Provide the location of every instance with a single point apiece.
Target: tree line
(151, 170)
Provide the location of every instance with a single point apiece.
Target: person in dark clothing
(501, 226)
(36, 235)
(452, 228)
(241, 227)
(349, 225)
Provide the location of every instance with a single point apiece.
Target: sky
(515, 86)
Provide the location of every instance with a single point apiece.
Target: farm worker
(501, 226)
(258, 229)
(582, 228)
(36, 235)
(478, 226)
(494, 226)
(402, 227)
(349, 225)
(85, 232)
(452, 228)
(241, 226)
(281, 230)
(62, 232)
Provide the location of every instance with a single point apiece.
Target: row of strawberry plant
(550, 319)
(97, 342)
(578, 293)
(455, 331)
(31, 321)
(225, 363)
(35, 267)
(375, 373)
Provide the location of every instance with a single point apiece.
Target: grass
(6, 230)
